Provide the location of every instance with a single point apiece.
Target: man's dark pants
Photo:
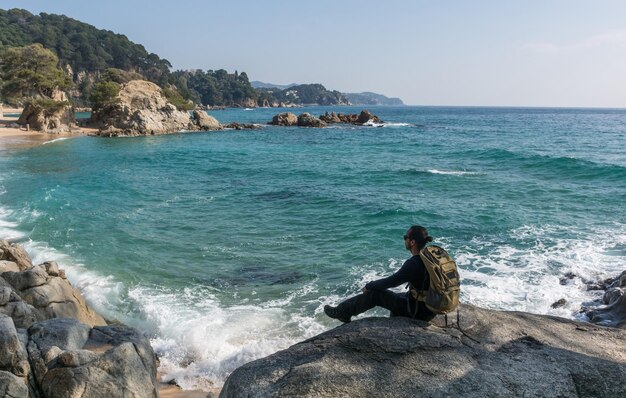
(396, 303)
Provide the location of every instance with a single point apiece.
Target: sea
(224, 246)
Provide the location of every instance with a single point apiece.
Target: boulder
(284, 119)
(496, 354)
(39, 292)
(307, 120)
(204, 121)
(141, 108)
(15, 253)
(70, 359)
(13, 357)
(330, 118)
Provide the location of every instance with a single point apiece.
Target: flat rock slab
(497, 354)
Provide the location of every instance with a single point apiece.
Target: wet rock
(559, 303)
(367, 117)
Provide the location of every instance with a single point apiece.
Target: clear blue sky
(524, 53)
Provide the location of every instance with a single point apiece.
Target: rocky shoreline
(52, 344)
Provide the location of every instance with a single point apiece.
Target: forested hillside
(94, 57)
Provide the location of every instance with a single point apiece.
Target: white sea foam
(55, 140)
(451, 172)
(200, 342)
(529, 279)
(371, 123)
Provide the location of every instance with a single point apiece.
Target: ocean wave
(523, 271)
(200, 342)
(451, 172)
(55, 140)
(371, 123)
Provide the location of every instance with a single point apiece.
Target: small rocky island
(307, 120)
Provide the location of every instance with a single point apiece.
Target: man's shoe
(336, 313)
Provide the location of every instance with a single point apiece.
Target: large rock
(498, 354)
(70, 360)
(141, 109)
(205, 121)
(284, 119)
(33, 293)
(15, 253)
(367, 117)
(308, 120)
(66, 355)
(49, 115)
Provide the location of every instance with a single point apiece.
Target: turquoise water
(224, 246)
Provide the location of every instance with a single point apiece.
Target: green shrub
(174, 98)
(103, 94)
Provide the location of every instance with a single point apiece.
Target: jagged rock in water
(241, 126)
(498, 354)
(284, 119)
(49, 115)
(614, 313)
(205, 121)
(366, 116)
(307, 120)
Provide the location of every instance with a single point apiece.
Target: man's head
(416, 238)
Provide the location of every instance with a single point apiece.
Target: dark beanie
(420, 235)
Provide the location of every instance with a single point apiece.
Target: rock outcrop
(52, 344)
(362, 118)
(141, 108)
(49, 118)
(498, 354)
(204, 121)
(284, 119)
(308, 120)
(613, 313)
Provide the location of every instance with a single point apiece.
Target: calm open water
(224, 246)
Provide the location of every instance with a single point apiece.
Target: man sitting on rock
(376, 294)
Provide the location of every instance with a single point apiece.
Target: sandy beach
(12, 136)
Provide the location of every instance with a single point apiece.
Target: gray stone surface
(498, 354)
(12, 386)
(64, 356)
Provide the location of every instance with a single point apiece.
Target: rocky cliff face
(53, 345)
(497, 354)
(141, 108)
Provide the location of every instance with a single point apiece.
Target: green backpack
(442, 295)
